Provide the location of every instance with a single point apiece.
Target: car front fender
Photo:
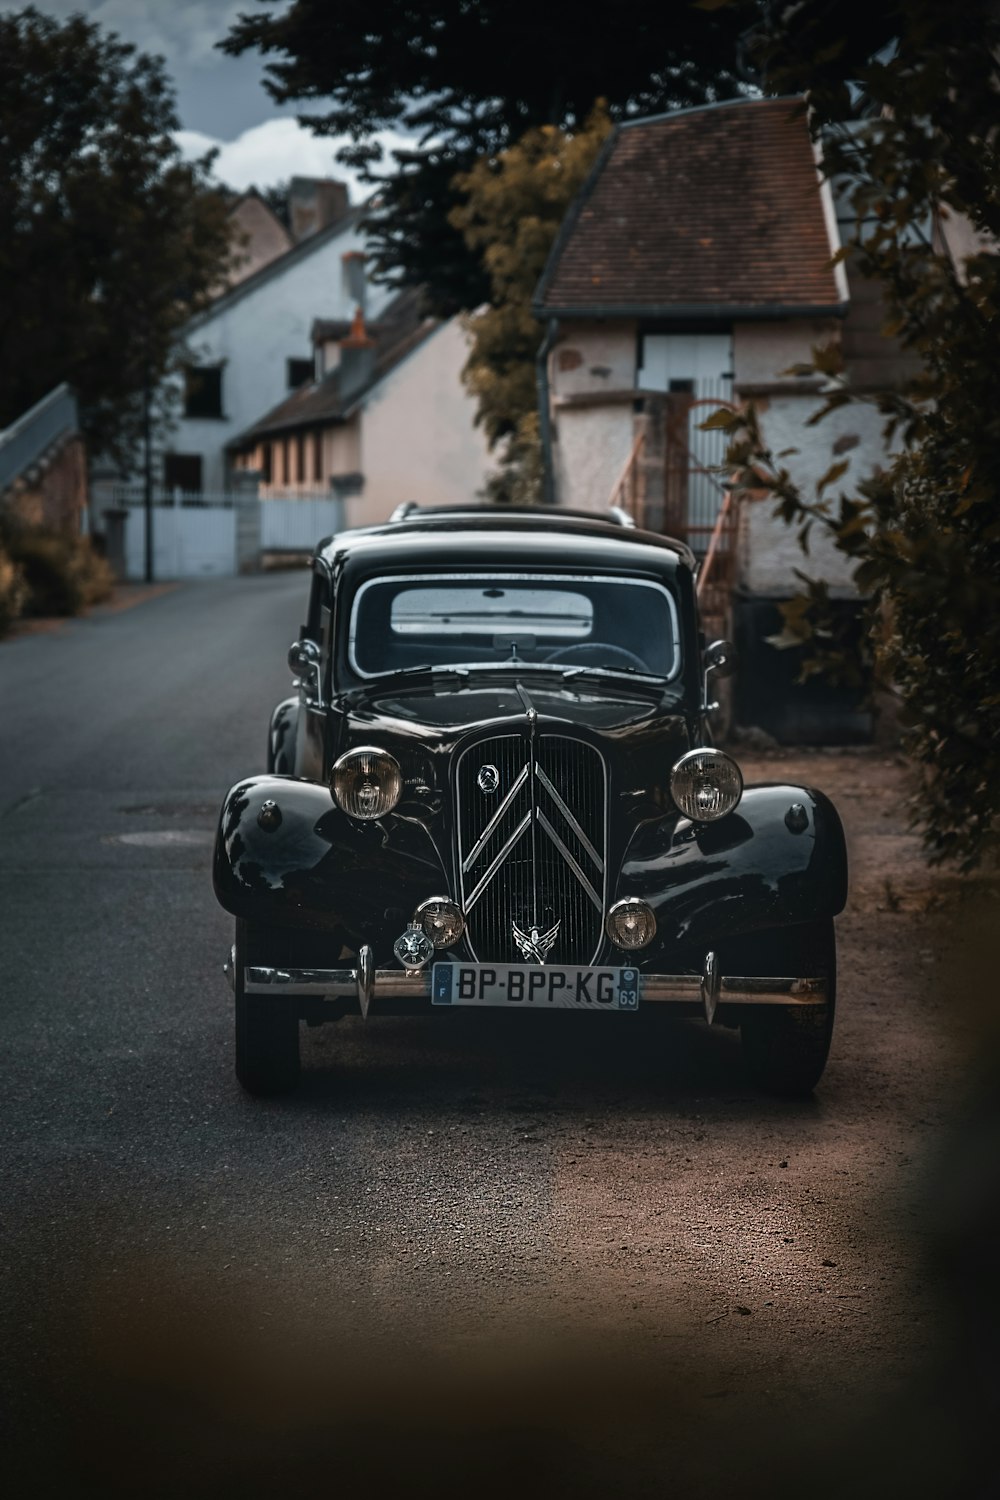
(286, 855)
(779, 859)
(281, 737)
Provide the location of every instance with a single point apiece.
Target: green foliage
(514, 205)
(108, 240)
(13, 591)
(60, 573)
(909, 133)
(467, 81)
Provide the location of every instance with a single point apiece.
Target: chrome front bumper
(365, 983)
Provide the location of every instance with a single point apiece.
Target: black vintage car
(495, 786)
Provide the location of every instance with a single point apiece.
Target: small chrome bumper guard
(364, 983)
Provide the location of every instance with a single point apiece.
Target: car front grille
(531, 848)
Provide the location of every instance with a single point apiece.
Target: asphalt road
(557, 1258)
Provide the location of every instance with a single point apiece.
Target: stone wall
(53, 492)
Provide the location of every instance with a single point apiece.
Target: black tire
(267, 1030)
(786, 1047)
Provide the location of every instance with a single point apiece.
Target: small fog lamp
(367, 782)
(706, 784)
(442, 920)
(631, 923)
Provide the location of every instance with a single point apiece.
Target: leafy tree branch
(109, 241)
(903, 104)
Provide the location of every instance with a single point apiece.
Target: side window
(182, 471)
(203, 390)
(300, 372)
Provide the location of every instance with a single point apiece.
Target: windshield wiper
(424, 670)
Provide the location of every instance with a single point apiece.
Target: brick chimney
(315, 202)
(357, 358)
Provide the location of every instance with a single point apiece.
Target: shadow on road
(566, 1065)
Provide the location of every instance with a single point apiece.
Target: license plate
(535, 987)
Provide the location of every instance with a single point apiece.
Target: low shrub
(62, 574)
(13, 591)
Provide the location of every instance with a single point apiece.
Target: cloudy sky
(221, 100)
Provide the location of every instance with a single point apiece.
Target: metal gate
(194, 536)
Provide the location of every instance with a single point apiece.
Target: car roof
(504, 534)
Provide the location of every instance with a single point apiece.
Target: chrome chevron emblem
(534, 945)
(488, 779)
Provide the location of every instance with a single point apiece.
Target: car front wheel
(786, 1046)
(267, 1030)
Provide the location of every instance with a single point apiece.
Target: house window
(182, 471)
(318, 456)
(203, 390)
(265, 462)
(300, 458)
(300, 372)
(346, 485)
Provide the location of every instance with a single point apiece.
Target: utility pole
(147, 468)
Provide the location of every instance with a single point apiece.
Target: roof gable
(400, 329)
(299, 251)
(715, 210)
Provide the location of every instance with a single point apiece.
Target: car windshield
(620, 624)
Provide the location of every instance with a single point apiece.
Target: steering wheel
(593, 654)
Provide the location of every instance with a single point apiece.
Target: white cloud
(277, 150)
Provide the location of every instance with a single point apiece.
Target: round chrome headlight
(367, 782)
(442, 920)
(706, 784)
(631, 923)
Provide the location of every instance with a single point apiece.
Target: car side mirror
(720, 658)
(303, 657)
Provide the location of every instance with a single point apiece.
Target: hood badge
(535, 945)
(413, 947)
(488, 779)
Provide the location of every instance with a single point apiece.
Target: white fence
(219, 535)
(188, 541)
(297, 525)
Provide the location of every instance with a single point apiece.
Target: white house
(252, 345)
(386, 419)
(274, 381)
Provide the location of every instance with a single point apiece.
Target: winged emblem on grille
(534, 944)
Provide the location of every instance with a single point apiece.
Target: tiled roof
(706, 210)
(399, 329)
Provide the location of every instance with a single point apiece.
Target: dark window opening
(265, 467)
(300, 458)
(318, 456)
(286, 461)
(182, 471)
(681, 387)
(202, 391)
(300, 372)
(346, 485)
